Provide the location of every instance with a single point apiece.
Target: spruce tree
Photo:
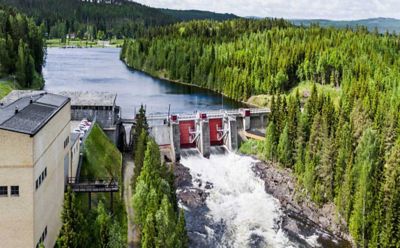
(180, 235)
(71, 221)
(284, 149)
(103, 224)
(270, 142)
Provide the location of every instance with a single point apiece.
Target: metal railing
(93, 185)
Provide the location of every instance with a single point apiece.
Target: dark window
(3, 191)
(14, 190)
(45, 172)
(66, 142)
(37, 183)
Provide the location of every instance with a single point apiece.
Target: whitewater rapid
(238, 199)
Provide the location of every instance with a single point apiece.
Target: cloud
(308, 9)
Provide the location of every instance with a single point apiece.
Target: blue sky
(309, 9)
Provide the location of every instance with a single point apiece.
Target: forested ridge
(21, 48)
(103, 19)
(346, 152)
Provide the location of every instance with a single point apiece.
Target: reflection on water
(99, 69)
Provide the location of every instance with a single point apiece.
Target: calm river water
(99, 69)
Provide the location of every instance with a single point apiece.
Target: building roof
(80, 98)
(30, 112)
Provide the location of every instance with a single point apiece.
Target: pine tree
(180, 235)
(390, 230)
(165, 223)
(103, 223)
(270, 142)
(71, 221)
(149, 232)
(21, 64)
(284, 149)
(366, 162)
(139, 156)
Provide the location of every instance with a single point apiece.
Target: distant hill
(188, 15)
(382, 24)
(99, 19)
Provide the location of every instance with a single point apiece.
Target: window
(37, 183)
(14, 190)
(45, 172)
(3, 191)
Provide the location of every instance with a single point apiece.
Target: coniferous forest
(344, 150)
(21, 48)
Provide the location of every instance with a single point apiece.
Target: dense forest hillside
(189, 15)
(345, 151)
(21, 48)
(87, 19)
(103, 19)
(380, 24)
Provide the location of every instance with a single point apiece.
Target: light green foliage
(101, 157)
(154, 203)
(71, 222)
(103, 223)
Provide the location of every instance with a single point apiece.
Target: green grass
(82, 43)
(6, 86)
(101, 156)
(304, 89)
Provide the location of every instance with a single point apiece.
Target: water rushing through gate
(238, 199)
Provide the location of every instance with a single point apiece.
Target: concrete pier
(231, 137)
(203, 143)
(175, 141)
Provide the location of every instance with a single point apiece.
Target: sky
(290, 9)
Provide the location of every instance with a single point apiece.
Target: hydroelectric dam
(202, 130)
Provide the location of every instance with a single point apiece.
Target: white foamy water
(239, 200)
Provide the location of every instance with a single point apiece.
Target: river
(99, 69)
(237, 211)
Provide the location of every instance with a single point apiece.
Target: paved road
(128, 173)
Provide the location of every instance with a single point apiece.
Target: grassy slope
(303, 88)
(101, 157)
(6, 86)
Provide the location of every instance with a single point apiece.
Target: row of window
(4, 191)
(66, 142)
(92, 107)
(41, 178)
(42, 238)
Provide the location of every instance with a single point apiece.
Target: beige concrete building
(35, 162)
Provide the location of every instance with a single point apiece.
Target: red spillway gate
(215, 132)
(185, 128)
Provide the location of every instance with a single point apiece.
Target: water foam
(238, 199)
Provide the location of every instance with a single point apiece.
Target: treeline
(241, 58)
(103, 19)
(21, 48)
(157, 215)
(88, 19)
(348, 154)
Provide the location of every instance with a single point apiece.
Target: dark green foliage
(21, 48)
(103, 19)
(154, 203)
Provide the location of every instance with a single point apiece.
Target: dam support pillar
(231, 138)
(203, 143)
(246, 118)
(175, 141)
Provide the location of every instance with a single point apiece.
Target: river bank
(305, 224)
(161, 75)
